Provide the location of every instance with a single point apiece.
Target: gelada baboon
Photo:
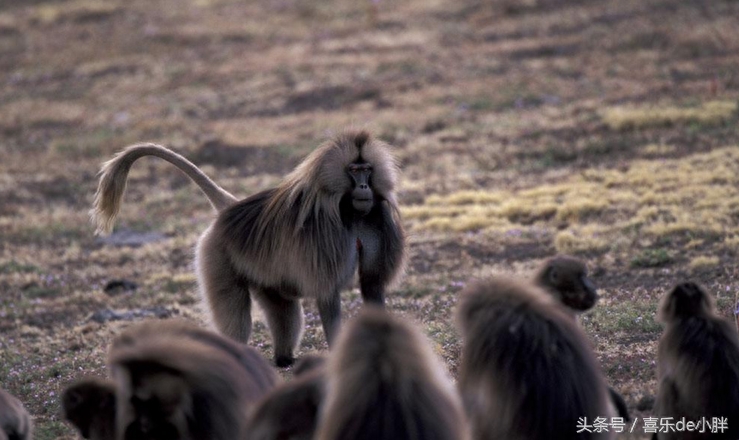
(527, 370)
(89, 404)
(304, 238)
(384, 382)
(175, 380)
(15, 422)
(290, 412)
(698, 364)
(567, 279)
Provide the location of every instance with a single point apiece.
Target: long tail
(113, 177)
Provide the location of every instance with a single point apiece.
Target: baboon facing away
(89, 404)
(527, 370)
(177, 381)
(15, 422)
(303, 239)
(384, 382)
(697, 365)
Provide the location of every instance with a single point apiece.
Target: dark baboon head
(89, 404)
(177, 381)
(567, 279)
(685, 300)
(291, 411)
(384, 382)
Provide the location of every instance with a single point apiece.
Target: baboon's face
(576, 289)
(362, 195)
(156, 407)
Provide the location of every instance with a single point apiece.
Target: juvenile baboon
(177, 381)
(698, 363)
(290, 412)
(384, 382)
(89, 404)
(527, 370)
(15, 422)
(567, 279)
(303, 239)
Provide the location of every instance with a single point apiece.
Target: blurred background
(524, 128)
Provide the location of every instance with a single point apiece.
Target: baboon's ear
(685, 299)
(553, 275)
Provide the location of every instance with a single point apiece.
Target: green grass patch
(13, 266)
(632, 317)
(652, 258)
(39, 292)
(50, 430)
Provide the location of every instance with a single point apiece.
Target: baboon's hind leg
(285, 321)
(226, 293)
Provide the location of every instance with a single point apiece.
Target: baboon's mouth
(362, 205)
(581, 303)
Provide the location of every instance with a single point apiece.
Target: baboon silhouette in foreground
(175, 380)
(527, 370)
(697, 364)
(290, 412)
(384, 382)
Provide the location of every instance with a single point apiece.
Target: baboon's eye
(553, 275)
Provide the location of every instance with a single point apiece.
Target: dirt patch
(329, 98)
(249, 159)
(499, 113)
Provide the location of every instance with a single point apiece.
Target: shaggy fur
(176, 380)
(384, 382)
(302, 239)
(89, 404)
(527, 369)
(698, 363)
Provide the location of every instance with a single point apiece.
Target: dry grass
(704, 263)
(709, 113)
(78, 10)
(694, 196)
(605, 129)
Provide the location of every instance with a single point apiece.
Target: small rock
(116, 287)
(107, 315)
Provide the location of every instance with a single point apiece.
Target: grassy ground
(602, 129)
